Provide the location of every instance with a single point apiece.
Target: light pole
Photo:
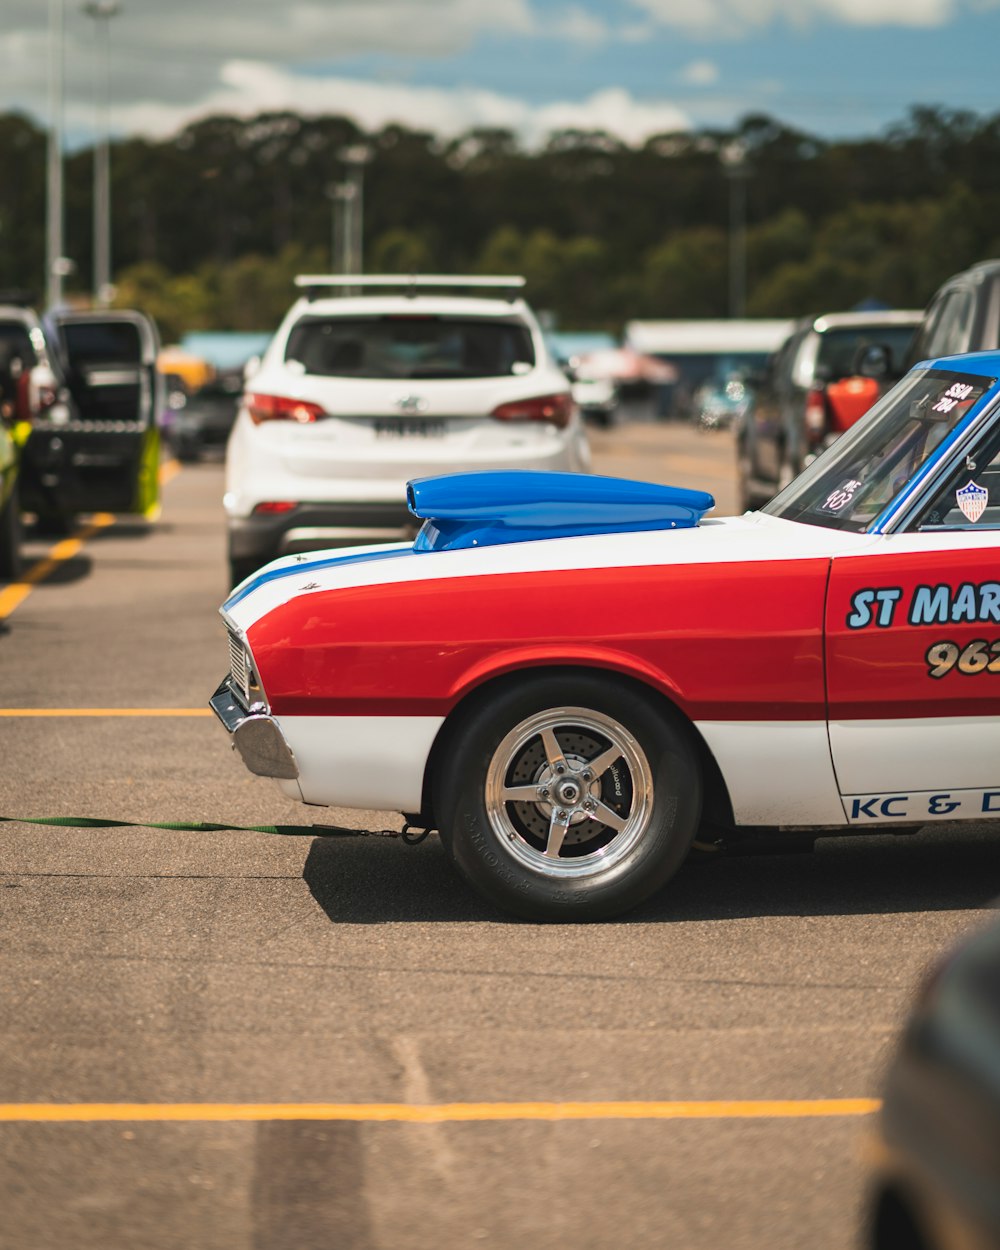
(102, 11)
(355, 157)
(734, 161)
(55, 262)
(342, 196)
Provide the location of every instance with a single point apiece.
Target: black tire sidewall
(480, 854)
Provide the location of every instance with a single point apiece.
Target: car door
(768, 414)
(913, 658)
(100, 449)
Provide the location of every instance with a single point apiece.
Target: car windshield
(854, 480)
(411, 346)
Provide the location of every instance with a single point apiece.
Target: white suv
(358, 393)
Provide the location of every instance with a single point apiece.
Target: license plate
(400, 427)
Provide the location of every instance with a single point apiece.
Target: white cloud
(250, 87)
(700, 74)
(578, 26)
(737, 17)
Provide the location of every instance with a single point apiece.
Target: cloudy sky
(634, 67)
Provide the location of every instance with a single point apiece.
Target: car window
(220, 388)
(839, 348)
(950, 329)
(15, 341)
(411, 346)
(101, 342)
(970, 497)
(848, 486)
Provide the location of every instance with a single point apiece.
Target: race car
(568, 675)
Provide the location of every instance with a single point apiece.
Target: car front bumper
(256, 735)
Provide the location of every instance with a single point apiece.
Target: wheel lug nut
(560, 815)
(543, 792)
(560, 769)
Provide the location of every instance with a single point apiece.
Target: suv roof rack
(314, 283)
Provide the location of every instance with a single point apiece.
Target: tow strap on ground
(410, 835)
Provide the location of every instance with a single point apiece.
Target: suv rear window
(410, 347)
(838, 349)
(102, 342)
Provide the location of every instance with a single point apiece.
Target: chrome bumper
(256, 735)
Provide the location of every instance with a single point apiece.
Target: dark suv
(963, 316)
(86, 394)
(804, 398)
(10, 508)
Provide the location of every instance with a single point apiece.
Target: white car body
(350, 467)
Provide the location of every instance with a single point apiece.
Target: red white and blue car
(567, 675)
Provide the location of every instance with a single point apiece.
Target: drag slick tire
(569, 797)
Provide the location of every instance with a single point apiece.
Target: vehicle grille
(238, 666)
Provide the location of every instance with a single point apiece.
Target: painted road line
(12, 596)
(442, 1113)
(106, 711)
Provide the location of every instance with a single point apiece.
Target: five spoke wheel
(569, 789)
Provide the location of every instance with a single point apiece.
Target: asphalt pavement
(259, 1042)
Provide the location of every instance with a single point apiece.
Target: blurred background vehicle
(962, 316)
(202, 421)
(936, 1175)
(696, 350)
(596, 397)
(722, 400)
(801, 402)
(357, 393)
(594, 393)
(10, 508)
(95, 398)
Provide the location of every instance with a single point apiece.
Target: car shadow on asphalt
(375, 881)
(132, 527)
(63, 572)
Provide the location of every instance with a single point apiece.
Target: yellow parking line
(442, 1113)
(105, 711)
(14, 595)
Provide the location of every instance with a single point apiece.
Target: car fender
(524, 658)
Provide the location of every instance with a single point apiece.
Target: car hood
(755, 537)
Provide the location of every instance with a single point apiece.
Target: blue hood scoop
(464, 510)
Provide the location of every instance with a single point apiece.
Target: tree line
(211, 224)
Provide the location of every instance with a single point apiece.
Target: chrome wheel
(569, 792)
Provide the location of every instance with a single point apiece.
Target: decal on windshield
(953, 396)
(972, 500)
(838, 499)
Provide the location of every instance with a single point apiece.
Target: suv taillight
(556, 409)
(815, 415)
(281, 408)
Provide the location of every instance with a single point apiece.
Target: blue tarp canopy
(225, 349)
